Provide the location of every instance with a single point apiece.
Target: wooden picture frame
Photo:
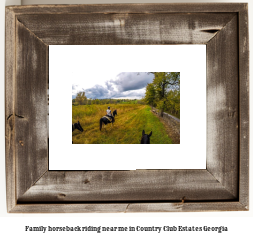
(222, 186)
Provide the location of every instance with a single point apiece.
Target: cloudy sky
(112, 84)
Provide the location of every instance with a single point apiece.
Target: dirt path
(170, 129)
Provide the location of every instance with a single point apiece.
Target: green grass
(127, 129)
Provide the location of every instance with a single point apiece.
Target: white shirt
(108, 111)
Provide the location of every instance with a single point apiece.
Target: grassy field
(127, 128)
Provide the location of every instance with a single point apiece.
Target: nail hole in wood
(61, 195)
(86, 181)
(183, 199)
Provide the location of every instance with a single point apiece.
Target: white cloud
(122, 85)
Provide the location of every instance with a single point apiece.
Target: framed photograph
(129, 46)
(133, 99)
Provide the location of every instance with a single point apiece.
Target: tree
(173, 102)
(163, 83)
(150, 94)
(81, 98)
(96, 101)
(157, 92)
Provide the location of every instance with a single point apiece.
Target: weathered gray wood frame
(222, 186)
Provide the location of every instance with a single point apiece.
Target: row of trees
(81, 99)
(164, 92)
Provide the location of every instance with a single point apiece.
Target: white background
(66, 63)
(239, 223)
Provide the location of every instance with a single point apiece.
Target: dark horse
(77, 126)
(145, 139)
(106, 120)
(114, 113)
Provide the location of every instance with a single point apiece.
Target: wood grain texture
(244, 106)
(186, 207)
(129, 207)
(30, 108)
(9, 109)
(129, 8)
(223, 186)
(222, 107)
(140, 185)
(121, 29)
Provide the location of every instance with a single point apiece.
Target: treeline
(81, 99)
(164, 92)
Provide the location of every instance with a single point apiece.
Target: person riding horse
(108, 118)
(109, 113)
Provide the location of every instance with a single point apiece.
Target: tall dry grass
(127, 129)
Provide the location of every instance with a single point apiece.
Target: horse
(145, 139)
(114, 113)
(106, 120)
(77, 126)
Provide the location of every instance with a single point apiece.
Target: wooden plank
(128, 207)
(244, 106)
(186, 207)
(69, 208)
(115, 29)
(140, 185)
(31, 109)
(9, 108)
(222, 107)
(153, 8)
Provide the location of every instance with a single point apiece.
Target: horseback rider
(109, 113)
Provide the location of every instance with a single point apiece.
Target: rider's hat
(108, 107)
